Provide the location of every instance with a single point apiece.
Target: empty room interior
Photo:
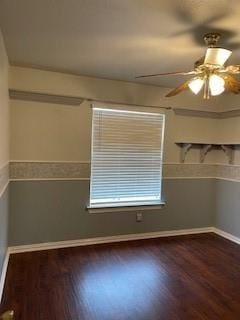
(119, 160)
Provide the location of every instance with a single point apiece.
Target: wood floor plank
(176, 278)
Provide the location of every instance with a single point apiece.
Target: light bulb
(217, 56)
(196, 85)
(216, 84)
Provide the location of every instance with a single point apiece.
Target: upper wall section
(48, 132)
(53, 132)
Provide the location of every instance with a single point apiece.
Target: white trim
(188, 163)
(172, 178)
(89, 161)
(4, 273)
(226, 235)
(99, 240)
(88, 179)
(51, 179)
(196, 177)
(126, 208)
(228, 179)
(49, 161)
(200, 164)
(217, 178)
(4, 188)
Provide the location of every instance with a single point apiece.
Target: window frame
(148, 205)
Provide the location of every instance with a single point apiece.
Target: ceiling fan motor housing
(211, 39)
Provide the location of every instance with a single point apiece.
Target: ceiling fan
(209, 72)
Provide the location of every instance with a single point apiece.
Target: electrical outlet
(139, 217)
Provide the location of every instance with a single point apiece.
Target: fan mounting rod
(211, 39)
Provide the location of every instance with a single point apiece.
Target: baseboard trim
(3, 274)
(99, 240)
(102, 240)
(226, 235)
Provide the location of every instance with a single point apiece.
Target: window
(126, 164)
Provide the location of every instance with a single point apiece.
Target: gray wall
(3, 226)
(45, 211)
(227, 213)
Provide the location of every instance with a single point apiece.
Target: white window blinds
(126, 166)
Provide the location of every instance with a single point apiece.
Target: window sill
(158, 206)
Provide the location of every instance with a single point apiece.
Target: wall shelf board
(205, 147)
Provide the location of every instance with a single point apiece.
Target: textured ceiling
(116, 39)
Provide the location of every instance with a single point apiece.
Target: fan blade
(183, 73)
(231, 84)
(233, 69)
(178, 89)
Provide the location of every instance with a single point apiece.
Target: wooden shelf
(205, 147)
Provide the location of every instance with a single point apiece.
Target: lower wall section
(228, 206)
(3, 226)
(46, 211)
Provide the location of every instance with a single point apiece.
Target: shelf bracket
(185, 147)
(229, 152)
(204, 150)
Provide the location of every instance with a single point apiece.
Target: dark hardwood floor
(187, 277)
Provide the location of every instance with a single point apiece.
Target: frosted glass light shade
(196, 85)
(217, 56)
(216, 84)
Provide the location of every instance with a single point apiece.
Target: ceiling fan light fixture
(217, 56)
(209, 73)
(195, 85)
(216, 84)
